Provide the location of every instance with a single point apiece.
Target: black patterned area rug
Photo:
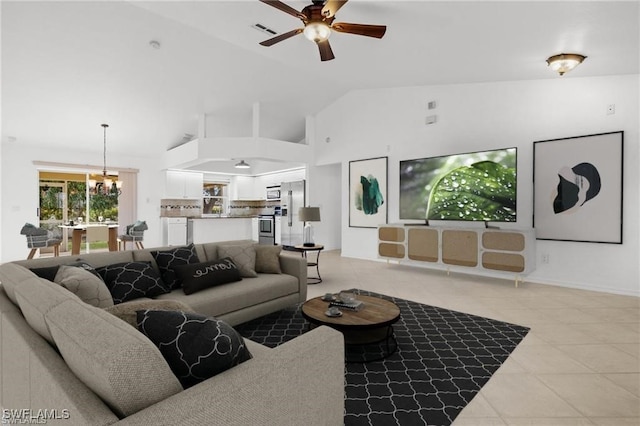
(443, 359)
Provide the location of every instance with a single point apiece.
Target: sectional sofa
(68, 362)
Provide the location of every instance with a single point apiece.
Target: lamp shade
(309, 214)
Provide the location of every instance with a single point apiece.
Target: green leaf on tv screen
(481, 191)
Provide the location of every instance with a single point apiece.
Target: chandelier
(108, 186)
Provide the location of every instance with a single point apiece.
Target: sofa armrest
(296, 266)
(300, 382)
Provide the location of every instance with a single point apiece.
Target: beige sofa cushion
(127, 311)
(11, 275)
(113, 359)
(225, 298)
(37, 296)
(87, 286)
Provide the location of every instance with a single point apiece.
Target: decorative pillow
(89, 288)
(268, 259)
(32, 230)
(48, 273)
(79, 263)
(196, 347)
(167, 260)
(198, 276)
(127, 311)
(131, 280)
(244, 256)
(115, 361)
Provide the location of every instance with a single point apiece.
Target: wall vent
(264, 29)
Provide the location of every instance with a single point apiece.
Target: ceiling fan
(318, 22)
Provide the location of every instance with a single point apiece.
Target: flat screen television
(475, 186)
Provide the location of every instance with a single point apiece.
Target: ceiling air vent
(264, 29)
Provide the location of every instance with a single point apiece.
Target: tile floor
(579, 364)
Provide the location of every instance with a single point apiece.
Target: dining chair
(133, 233)
(38, 238)
(96, 233)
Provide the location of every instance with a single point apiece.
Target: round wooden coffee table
(372, 324)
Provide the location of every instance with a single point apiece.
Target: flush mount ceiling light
(565, 62)
(242, 165)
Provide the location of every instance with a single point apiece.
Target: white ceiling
(67, 67)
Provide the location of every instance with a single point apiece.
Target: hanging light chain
(104, 152)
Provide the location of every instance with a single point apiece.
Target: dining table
(78, 230)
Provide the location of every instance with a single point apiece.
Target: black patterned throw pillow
(167, 260)
(132, 280)
(196, 347)
(198, 276)
(48, 273)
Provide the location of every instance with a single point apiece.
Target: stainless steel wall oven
(267, 229)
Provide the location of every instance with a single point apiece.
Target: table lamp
(309, 214)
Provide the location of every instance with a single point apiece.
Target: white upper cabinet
(183, 184)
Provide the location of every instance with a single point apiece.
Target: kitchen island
(213, 229)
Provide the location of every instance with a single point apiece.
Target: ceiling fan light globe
(317, 31)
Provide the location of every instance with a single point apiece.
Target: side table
(304, 250)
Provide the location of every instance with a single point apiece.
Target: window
(64, 197)
(215, 198)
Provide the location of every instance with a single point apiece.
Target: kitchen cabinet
(183, 184)
(174, 231)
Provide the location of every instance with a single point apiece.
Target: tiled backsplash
(170, 207)
(249, 208)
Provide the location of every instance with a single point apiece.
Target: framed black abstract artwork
(578, 188)
(368, 192)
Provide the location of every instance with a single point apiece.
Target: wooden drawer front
(509, 241)
(388, 233)
(503, 261)
(423, 244)
(460, 248)
(391, 250)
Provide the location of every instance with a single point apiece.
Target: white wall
(20, 188)
(391, 122)
(324, 191)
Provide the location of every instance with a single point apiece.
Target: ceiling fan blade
(376, 31)
(331, 7)
(285, 8)
(281, 37)
(326, 54)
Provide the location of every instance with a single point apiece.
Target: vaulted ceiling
(67, 67)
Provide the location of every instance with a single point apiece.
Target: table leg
(318, 279)
(76, 239)
(113, 239)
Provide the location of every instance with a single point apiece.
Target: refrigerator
(292, 197)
